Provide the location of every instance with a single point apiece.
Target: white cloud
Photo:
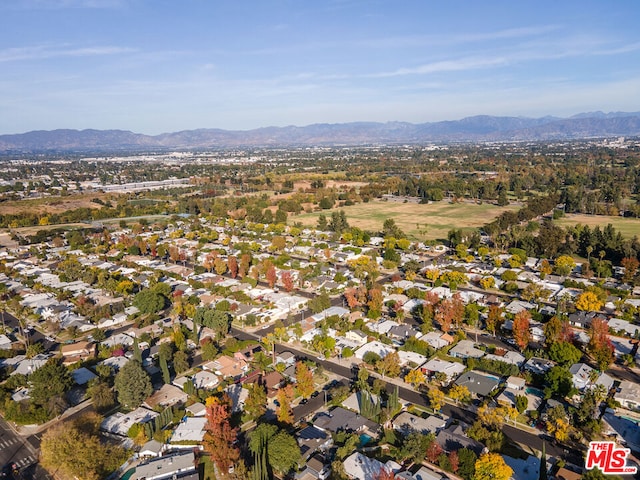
(40, 52)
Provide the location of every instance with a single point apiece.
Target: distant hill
(471, 129)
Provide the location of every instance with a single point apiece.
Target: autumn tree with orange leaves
(271, 275)
(287, 281)
(284, 412)
(233, 266)
(384, 474)
(220, 437)
(450, 311)
(521, 333)
(600, 346)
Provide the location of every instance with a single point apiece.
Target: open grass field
(419, 221)
(628, 227)
(52, 204)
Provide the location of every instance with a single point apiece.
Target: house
(287, 358)
(437, 340)
(454, 438)
(316, 468)
(517, 306)
(152, 448)
(586, 377)
(77, 352)
(340, 419)
(582, 319)
(406, 422)
(450, 369)
(120, 423)
(357, 336)
(354, 401)
(479, 384)
(197, 409)
(167, 467)
(248, 353)
(538, 365)
(361, 467)
(167, 395)
(311, 439)
(516, 383)
(5, 342)
(628, 395)
(402, 332)
(227, 367)
(422, 474)
(192, 429)
(619, 325)
(566, 474)
(27, 366)
(466, 349)
(510, 357)
(238, 396)
(204, 379)
(376, 347)
(82, 376)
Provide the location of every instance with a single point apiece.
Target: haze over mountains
(482, 128)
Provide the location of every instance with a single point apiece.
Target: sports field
(628, 227)
(419, 221)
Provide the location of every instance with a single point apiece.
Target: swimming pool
(534, 391)
(365, 439)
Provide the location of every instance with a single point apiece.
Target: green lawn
(628, 227)
(419, 221)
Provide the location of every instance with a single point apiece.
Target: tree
(389, 365)
(283, 452)
(384, 474)
(433, 451)
(521, 332)
(148, 301)
(220, 438)
(256, 403)
(467, 459)
(491, 466)
(494, 318)
(304, 380)
(630, 265)
(375, 303)
(284, 412)
(50, 381)
(132, 384)
(521, 403)
(557, 330)
(276, 448)
(415, 445)
(271, 276)
(180, 362)
(74, 449)
(415, 377)
(232, 263)
(564, 353)
(436, 398)
(589, 302)
(600, 345)
(460, 393)
(287, 281)
(559, 382)
(102, 396)
(564, 265)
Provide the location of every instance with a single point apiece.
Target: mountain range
(481, 128)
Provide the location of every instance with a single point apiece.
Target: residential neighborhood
(352, 364)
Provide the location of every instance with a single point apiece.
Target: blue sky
(154, 66)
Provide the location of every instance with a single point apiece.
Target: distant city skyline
(154, 66)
